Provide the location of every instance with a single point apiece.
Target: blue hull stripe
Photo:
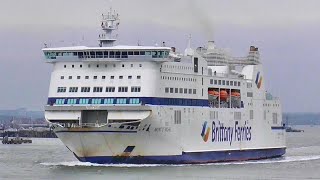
(190, 157)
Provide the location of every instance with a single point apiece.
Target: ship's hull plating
(190, 157)
(194, 141)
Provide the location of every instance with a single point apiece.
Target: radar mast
(109, 23)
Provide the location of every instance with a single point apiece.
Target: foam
(284, 159)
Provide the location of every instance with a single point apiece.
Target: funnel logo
(258, 80)
(205, 131)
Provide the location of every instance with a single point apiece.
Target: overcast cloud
(286, 31)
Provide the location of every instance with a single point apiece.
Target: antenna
(189, 51)
(109, 23)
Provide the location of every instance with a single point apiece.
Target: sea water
(50, 159)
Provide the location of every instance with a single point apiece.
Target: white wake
(284, 159)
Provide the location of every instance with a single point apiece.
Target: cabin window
(176, 90)
(80, 54)
(195, 64)
(78, 77)
(103, 77)
(223, 82)
(92, 54)
(110, 89)
(61, 89)
(62, 77)
(138, 77)
(112, 77)
(97, 89)
(99, 54)
(166, 90)
(142, 53)
(105, 54)
(231, 83)
(129, 77)
(85, 89)
(87, 77)
(73, 89)
(171, 90)
(219, 82)
(180, 90)
(121, 101)
(117, 54)
(135, 89)
(227, 82)
(130, 53)
(136, 53)
(96, 101)
(166, 54)
(124, 54)
(185, 91)
(154, 54)
(70, 77)
(95, 77)
(120, 77)
(108, 101)
(111, 54)
(194, 91)
(148, 53)
(122, 89)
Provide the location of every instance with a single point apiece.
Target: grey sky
(286, 31)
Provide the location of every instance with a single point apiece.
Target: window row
(180, 90)
(99, 65)
(214, 115)
(178, 78)
(225, 82)
(98, 101)
(99, 89)
(178, 67)
(274, 105)
(106, 54)
(102, 77)
(128, 100)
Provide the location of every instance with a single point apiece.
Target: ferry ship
(115, 104)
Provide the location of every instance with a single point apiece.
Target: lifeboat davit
(223, 95)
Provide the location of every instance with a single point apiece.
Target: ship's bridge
(114, 53)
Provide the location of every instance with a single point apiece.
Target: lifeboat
(223, 95)
(213, 93)
(235, 94)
